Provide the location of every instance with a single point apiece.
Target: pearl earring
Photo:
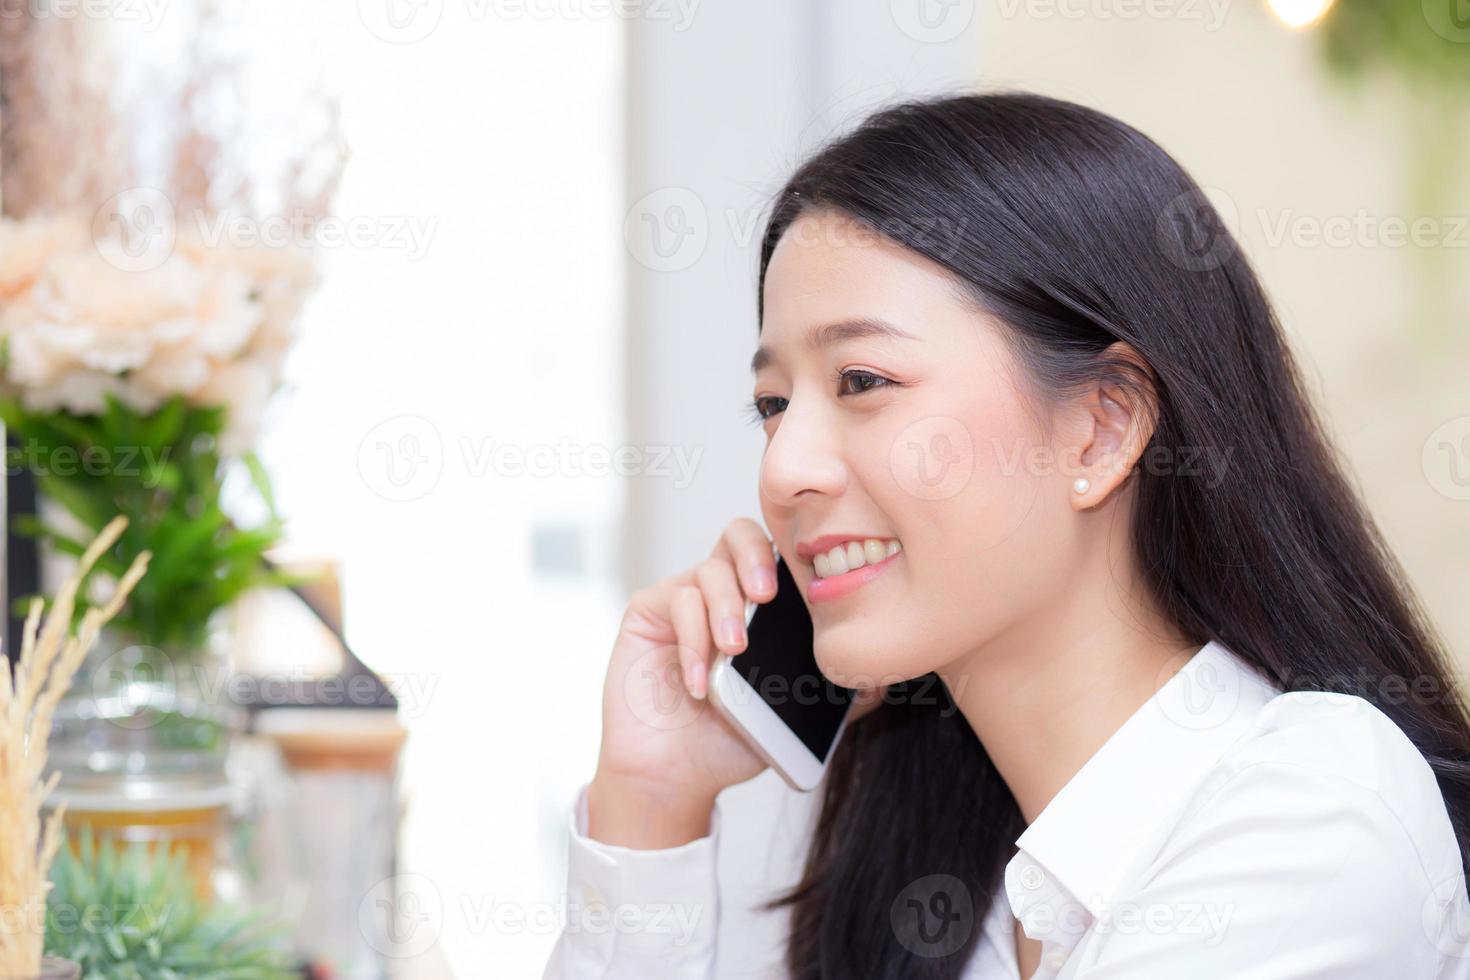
(1081, 484)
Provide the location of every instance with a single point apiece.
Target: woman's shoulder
(1318, 837)
(1340, 761)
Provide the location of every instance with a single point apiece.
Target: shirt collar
(1083, 841)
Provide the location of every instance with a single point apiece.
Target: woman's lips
(837, 586)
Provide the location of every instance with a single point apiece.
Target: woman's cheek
(933, 458)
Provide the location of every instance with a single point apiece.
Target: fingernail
(765, 581)
(731, 630)
(698, 680)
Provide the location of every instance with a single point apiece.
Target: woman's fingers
(691, 627)
(707, 602)
(726, 603)
(747, 547)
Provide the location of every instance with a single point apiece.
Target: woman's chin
(861, 664)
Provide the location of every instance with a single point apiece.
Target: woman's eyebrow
(833, 333)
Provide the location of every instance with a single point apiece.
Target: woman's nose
(803, 456)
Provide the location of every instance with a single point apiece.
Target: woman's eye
(848, 383)
(864, 380)
(763, 408)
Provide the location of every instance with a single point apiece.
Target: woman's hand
(666, 752)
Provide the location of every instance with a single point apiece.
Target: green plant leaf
(147, 922)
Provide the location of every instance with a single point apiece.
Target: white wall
(718, 117)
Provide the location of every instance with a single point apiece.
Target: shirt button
(590, 895)
(1032, 876)
(1055, 961)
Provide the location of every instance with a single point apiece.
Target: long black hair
(1077, 231)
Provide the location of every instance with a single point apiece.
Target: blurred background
(509, 365)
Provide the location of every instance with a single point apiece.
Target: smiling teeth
(854, 554)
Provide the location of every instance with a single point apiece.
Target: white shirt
(1225, 830)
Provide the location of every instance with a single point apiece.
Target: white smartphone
(773, 693)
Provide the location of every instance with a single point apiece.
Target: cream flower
(209, 321)
(27, 246)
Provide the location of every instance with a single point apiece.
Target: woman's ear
(1118, 418)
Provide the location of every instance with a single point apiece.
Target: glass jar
(180, 812)
(342, 766)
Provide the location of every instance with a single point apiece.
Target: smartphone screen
(779, 665)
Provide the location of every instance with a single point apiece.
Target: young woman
(1192, 722)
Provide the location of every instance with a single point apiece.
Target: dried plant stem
(49, 659)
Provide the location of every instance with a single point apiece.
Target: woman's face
(927, 440)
